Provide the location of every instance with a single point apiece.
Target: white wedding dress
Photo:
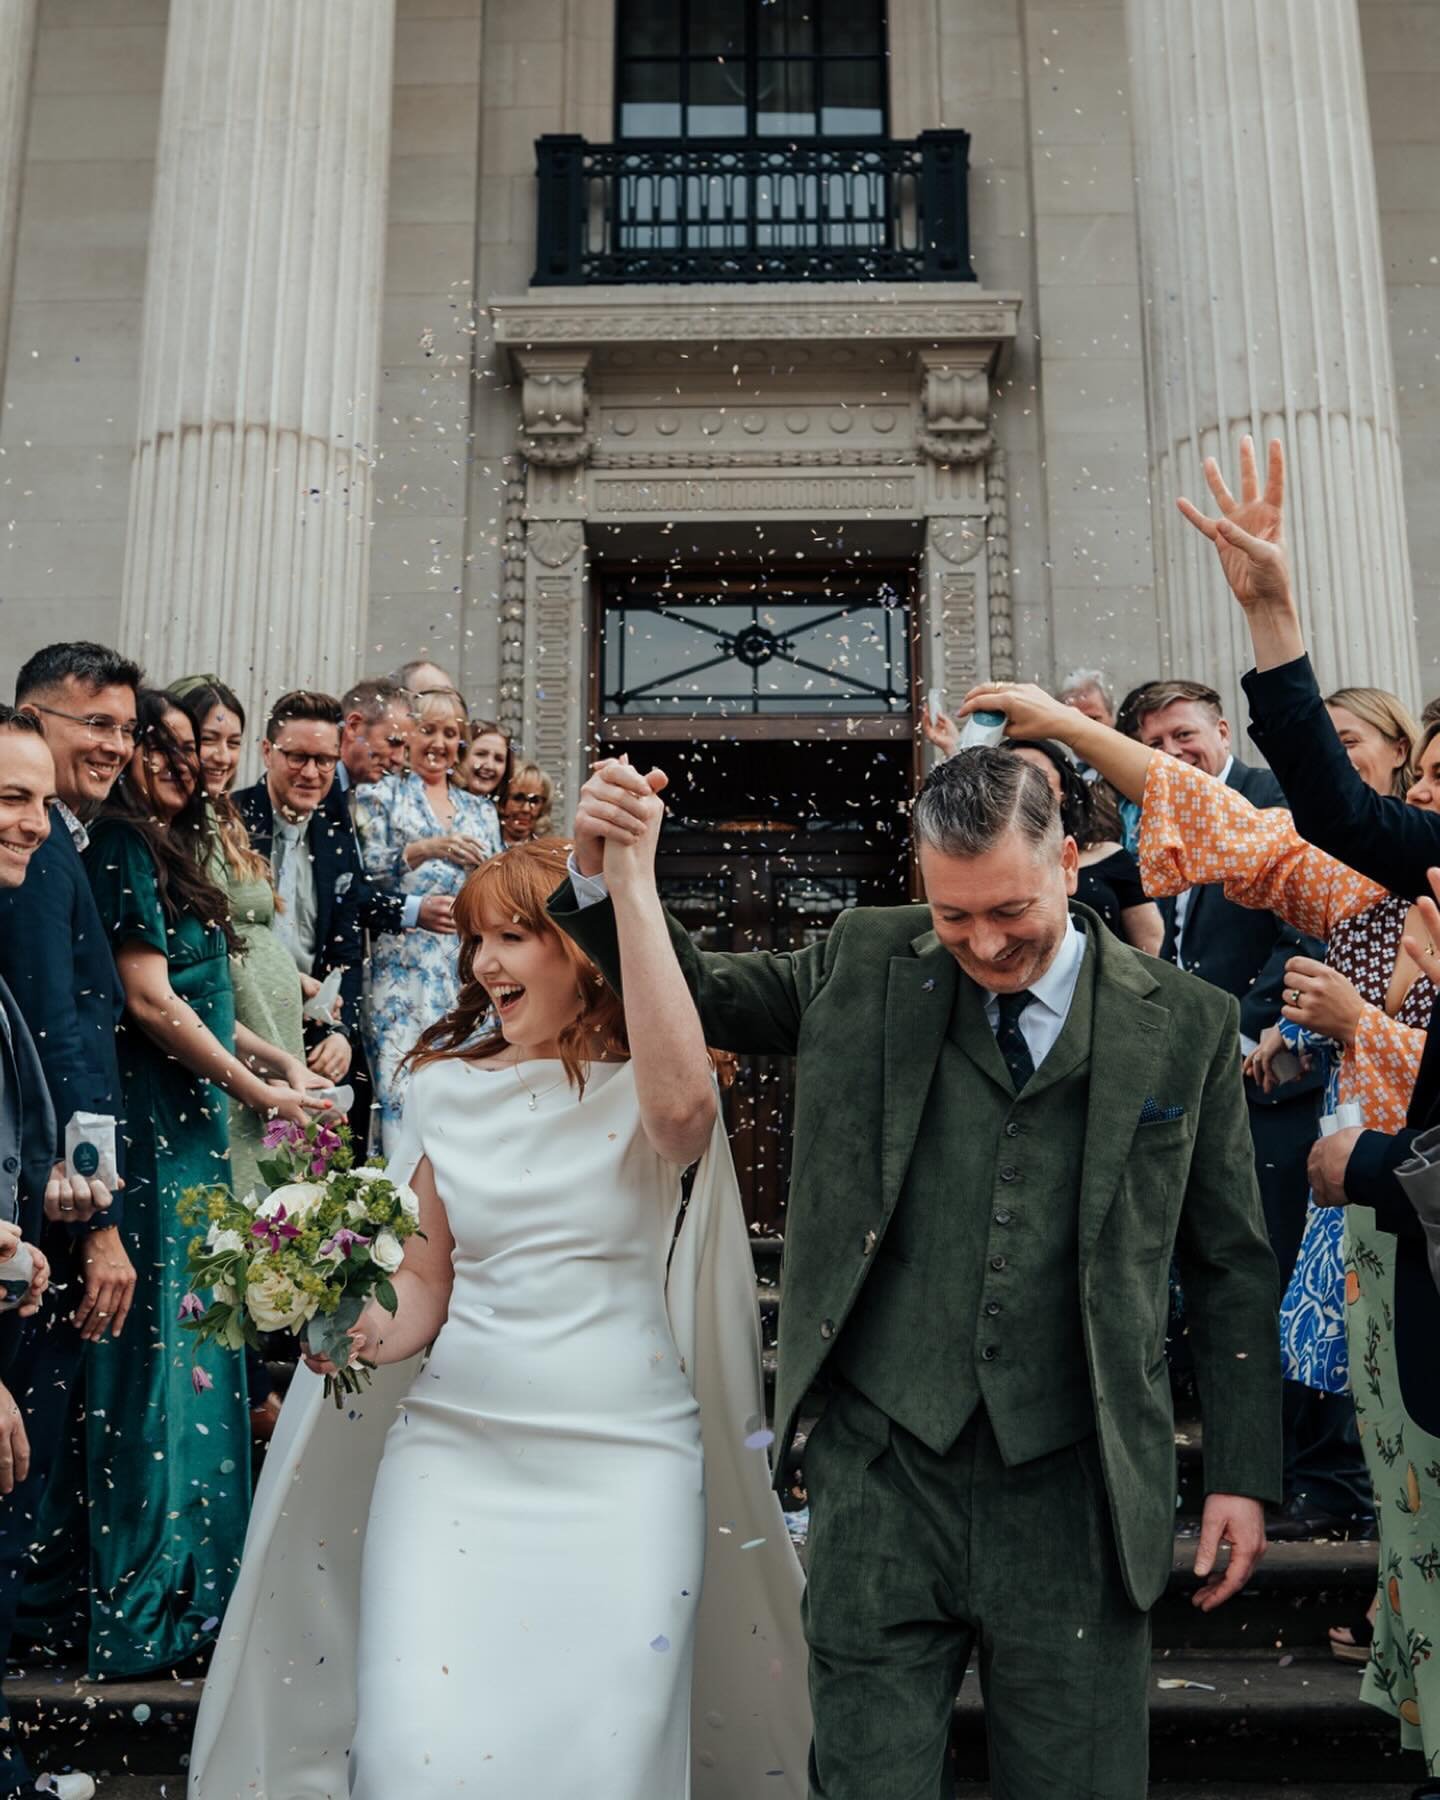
(495, 1572)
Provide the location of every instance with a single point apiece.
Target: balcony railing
(746, 209)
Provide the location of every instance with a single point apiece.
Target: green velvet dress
(166, 1471)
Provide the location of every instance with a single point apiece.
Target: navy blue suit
(1245, 952)
(343, 896)
(38, 1357)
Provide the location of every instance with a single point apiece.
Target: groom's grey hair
(973, 799)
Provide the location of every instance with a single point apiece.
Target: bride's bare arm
(421, 1284)
(673, 1079)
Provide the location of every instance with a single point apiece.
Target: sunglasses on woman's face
(533, 801)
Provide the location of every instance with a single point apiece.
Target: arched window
(750, 69)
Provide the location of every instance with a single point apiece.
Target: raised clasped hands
(1249, 534)
(617, 822)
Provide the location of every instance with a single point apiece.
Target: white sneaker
(75, 1786)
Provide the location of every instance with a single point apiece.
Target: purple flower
(274, 1230)
(342, 1243)
(280, 1131)
(199, 1380)
(191, 1307)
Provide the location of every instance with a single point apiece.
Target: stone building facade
(284, 398)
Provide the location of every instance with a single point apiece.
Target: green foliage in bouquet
(306, 1257)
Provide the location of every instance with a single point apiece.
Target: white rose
(224, 1295)
(274, 1302)
(368, 1173)
(297, 1197)
(355, 1209)
(387, 1252)
(222, 1243)
(409, 1200)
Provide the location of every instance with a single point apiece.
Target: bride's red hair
(515, 886)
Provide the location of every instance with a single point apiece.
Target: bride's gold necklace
(535, 1098)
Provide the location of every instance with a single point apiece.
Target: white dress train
(493, 1572)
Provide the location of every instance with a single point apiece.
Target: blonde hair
(526, 770)
(1392, 718)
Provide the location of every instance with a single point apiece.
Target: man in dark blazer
(1006, 1123)
(38, 1355)
(1245, 952)
(299, 817)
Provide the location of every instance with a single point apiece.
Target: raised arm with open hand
(1249, 537)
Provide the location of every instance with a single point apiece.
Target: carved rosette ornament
(511, 706)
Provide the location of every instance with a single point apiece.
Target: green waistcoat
(975, 1294)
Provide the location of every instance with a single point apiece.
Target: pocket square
(1153, 1113)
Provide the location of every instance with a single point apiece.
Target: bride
(497, 1571)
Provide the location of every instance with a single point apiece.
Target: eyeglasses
(99, 726)
(533, 801)
(297, 759)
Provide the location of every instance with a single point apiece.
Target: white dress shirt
(1044, 1018)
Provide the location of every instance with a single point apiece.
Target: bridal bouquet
(307, 1255)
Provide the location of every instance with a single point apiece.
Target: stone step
(1245, 1718)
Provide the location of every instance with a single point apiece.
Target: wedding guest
(164, 1505)
(375, 736)
(314, 861)
(420, 836)
(1431, 714)
(1108, 881)
(425, 677)
(525, 810)
(37, 1360)
(1380, 736)
(269, 997)
(55, 957)
(1395, 845)
(489, 761)
(1088, 692)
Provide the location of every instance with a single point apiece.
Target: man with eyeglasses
(55, 955)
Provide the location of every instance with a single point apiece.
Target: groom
(1006, 1124)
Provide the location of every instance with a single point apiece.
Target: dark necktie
(1009, 1037)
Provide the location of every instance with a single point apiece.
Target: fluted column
(17, 62)
(1265, 311)
(248, 543)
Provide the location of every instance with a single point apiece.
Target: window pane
(851, 28)
(786, 105)
(717, 28)
(650, 99)
(649, 27)
(717, 100)
(787, 27)
(854, 101)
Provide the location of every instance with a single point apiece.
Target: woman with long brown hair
(538, 1527)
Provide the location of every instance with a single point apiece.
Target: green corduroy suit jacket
(865, 1013)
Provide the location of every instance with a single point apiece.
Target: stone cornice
(921, 314)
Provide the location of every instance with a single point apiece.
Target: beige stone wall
(1402, 68)
(1091, 398)
(72, 381)
(418, 548)
(979, 74)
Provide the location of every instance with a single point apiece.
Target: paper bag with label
(90, 1148)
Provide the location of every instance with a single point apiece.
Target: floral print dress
(414, 976)
(1195, 829)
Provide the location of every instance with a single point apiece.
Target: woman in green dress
(269, 990)
(166, 1431)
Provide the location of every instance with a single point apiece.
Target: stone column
(1265, 311)
(248, 544)
(17, 62)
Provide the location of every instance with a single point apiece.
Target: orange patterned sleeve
(1379, 1070)
(1194, 830)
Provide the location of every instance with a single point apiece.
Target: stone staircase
(1246, 1702)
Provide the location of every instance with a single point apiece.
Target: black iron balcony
(748, 209)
